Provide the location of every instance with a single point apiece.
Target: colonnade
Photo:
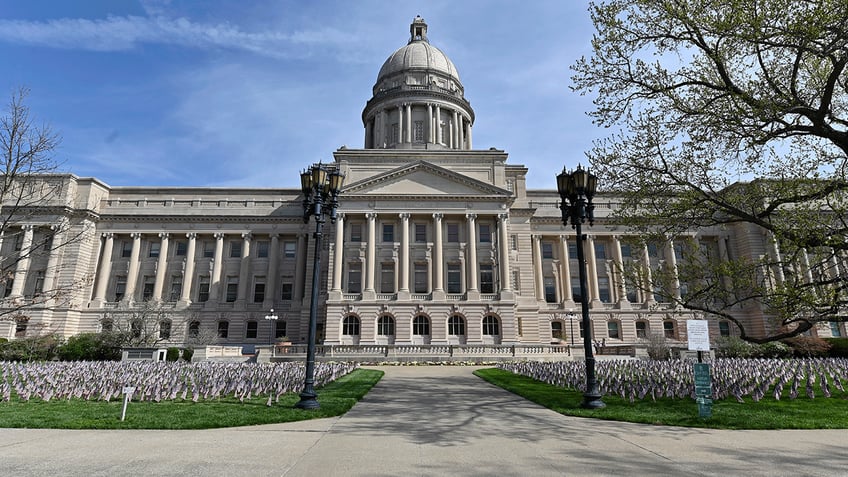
(456, 133)
(436, 252)
(24, 260)
(186, 270)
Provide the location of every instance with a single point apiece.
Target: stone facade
(435, 243)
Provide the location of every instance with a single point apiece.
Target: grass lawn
(336, 398)
(800, 413)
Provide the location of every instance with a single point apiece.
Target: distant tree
(34, 212)
(729, 114)
(147, 323)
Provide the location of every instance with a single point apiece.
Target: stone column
(404, 252)
(217, 269)
(592, 268)
(244, 268)
(369, 134)
(469, 136)
(300, 267)
(338, 262)
(537, 268)
(565, 264)
(461, 132)
(52, 270)
(188, 270)
(774, 254)
(619, 270)
(503, 245)
(672, 264)
(648, 286)
(105, 269)
(370, 254)
(132, 270)
(805, 265)
(161, 267)
(455, 131)
(400, 124)
(383, 129)
(438, 124)
(408, 123)
(438, 261)
(473, 266)
(22, 266)
(271, 278)
(431, 137)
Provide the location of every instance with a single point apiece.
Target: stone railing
(434, 352)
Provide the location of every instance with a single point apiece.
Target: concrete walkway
(429, 421)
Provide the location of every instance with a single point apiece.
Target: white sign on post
(128, 392)
(699, 335)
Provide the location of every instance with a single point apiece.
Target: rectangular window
(572, 250)
(626, 252)
(388, 233)
(600, 251)
(287, 291)
(154, 249)
(641, 329)
(604, 289)
(280, 329)
(39, 282)
(147, 288)
(550, 290)
(612, 330)
(262, 248)
(232, 289)
(356, 232)
(208, 249)
(653, 250)
(834, 329)
(176, 288)
(259, 290)
(421, 278)
(203, 289)
(547, 250)
(387, 278)
(724, 328)
(418, 131)
(126, 248)
(514, 241)
(120, 287)
(223, 329)
(487, 278)
(668, 329)
(678, 251)
(251, 329)
(575, 289)
(485, 233)
(421, 233)
(289, 249)
(181, 249)
(453, 232)
(235, 249)
(454, 278)
(354, 278)
(395, 134)
(7, 290)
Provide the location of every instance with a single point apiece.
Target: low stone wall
(418, 353)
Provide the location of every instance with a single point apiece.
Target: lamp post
(576, 190)
(320, 188)
(272, 318)
(571, 316)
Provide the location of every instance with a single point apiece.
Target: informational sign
(128, 392)
(699, 335)
(703, 389)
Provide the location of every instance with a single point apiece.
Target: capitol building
(437, 241)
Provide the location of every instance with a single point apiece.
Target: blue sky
(248, 93)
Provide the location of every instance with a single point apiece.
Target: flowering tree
(730, 114)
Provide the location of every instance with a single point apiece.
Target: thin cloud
(128, 32)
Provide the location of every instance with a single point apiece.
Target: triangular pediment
(426, 180)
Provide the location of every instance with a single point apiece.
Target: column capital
(371, 215)
(107, 235)
(404, 215)
(471, 217)
(438, 216)
(340, 216)
(218, 235)
(164, 235)
(27, 226)
(503, 217)
(191, 235)
(136, 235)
(247, 235)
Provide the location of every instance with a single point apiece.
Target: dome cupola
(418, 100)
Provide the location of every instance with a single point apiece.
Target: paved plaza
(428, 421)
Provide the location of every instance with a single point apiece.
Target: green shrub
(187, 354)
(173, 354)
(838, 347)
(41, 348)
(91, 347)
(657, 347)
(773, 349)
(808, 346)
(733, 347)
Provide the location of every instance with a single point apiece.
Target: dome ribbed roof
(418, 55)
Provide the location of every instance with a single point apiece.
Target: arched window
(194, 329)
(491, 326)
(350, 326)
(456, 325)
(421, 325)
(165, 330)
(385, 325)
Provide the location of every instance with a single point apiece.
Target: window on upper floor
(453, 232)
(180, 248)
(487, 278)
(454, 278)
(485, 233)
(421, 233)
(547, 250)
(203, 289)
(235, 249)
(387, 278)
(388, 232)
(356, 232)
(126, 248)
(289, 249)
(262, 248)
(251, 329)
(232, 289)
(155, 247)
(420, 285)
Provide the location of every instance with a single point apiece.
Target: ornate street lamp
(576, 190)
(320, 188)
(272, 318)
